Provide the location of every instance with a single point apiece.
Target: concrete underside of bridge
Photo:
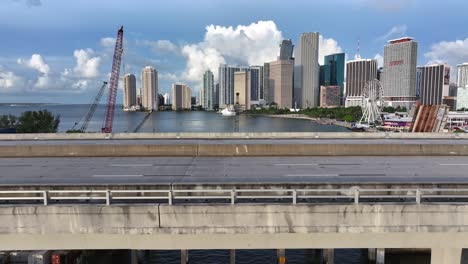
(244, 226)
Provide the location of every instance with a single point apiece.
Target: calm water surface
(195, 121)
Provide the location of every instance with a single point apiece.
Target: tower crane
(91, 110)
(114, 82)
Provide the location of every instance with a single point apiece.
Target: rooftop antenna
(358, 55)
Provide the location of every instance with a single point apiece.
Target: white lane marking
(130, 165)
(125, 175)
(311, 175)
(453, 164)
(296, 164)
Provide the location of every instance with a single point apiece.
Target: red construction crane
(92, 108)
(114, 82)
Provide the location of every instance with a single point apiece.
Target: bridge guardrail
(233, 196)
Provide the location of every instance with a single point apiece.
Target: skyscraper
(358, 73)
(226, 84)
(399, 80)
(434, 84)
(181, 96)
(306, 72)
(208, 90)
(266, 83)
(281, 82)
(242, 82)
(256, 84)
(462, 83)
(167, 99)
(149, 82)
(286, 50)
(130, 96)
(334, 66)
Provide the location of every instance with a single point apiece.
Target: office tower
(307, 69)
(242, 82)
(332, 72)
(358, 73)
(462, 83)
(167, 99)
(216, 95)
(434, 83)
(399, 80)
(181, 97)
(256, 84)
(419, 75)
(208, 91)
(130, 96)
(149, 82)
(281, 82)
(160, 100)
(330, 96)
(266, 83)
(286, 50)
(226, 84)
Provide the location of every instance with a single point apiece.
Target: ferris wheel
(372, 103)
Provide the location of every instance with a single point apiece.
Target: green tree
(41, 121)
(8, 121)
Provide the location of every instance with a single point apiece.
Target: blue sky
(60, 51)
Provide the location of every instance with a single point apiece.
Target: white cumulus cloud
(8, 80)
(108, 42)
(451, 52)
(394, 32)
(161, 46)
(251, 44)
(37, 63)
(87, 66)
(327, 47)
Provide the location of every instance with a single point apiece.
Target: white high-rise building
(130, 94)
(462, 83)
(207, 93)
(149, 82)
(307, 71)
(167, 99)
(399, 80)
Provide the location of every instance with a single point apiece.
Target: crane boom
(93, 107)
(114, 82)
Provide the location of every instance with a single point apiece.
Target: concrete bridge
(372, 190)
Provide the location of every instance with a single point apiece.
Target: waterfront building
(286, 50)
(281, 82)
(462, 84)
(149, 82)
(216, 95)
(433, 83)
(307, 70)
(130, 93)
(332, 72)
(226, 84)
(167, 99)
(256, 83)
(160, 100)
(242, 86)
(208, 92)
(358, 73)
(399, 80)
(266, 84)
(330, 96)
(181, 97)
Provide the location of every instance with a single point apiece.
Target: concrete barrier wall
(231, 150)
(240, 135)
(233, 227)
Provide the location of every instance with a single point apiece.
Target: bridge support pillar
(329, 256)
(133, 256)
(184, 256)
(446, 255)
(232, 256)
(376, 255)
(281, 253)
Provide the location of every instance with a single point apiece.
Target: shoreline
(321, 121)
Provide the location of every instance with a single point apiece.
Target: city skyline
(68, 60)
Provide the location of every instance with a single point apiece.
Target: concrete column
(329, 256)
(380, 256)
(184, 256)
(232, 256)
(371, 254)
(133, 256)
(281, 253)
(446, 255)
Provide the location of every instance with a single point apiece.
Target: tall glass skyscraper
(208, 90)
(286, 50)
